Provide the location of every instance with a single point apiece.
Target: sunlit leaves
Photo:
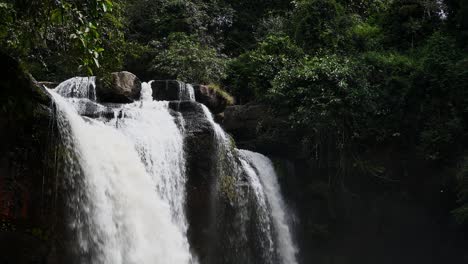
(184, 58)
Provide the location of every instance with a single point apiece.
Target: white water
(131, 185)
(219, 132)
(264, 181)
(127, 180)
(190, 92)
(155, 135)
(186, 92)
(262, 206)
(78, 87)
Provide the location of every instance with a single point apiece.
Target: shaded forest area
(365, 73)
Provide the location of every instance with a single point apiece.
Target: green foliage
(457, 11)
(408, 22)
(323, 92)
(319, 24)
(365, 36)
(443, 101)
(229, 99)
(152, 20)
(251, 73)
(247, 17)
(57, 38)
(185, 59)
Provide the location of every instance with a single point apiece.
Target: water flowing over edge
(144, 138)
(128, 207)
(260, 169)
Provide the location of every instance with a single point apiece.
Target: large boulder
(213, 97)
(119, 87)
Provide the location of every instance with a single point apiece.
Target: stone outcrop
(215, 99)
(120, 87)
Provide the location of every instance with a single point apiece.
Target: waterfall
(219, 132)
(270, 207)
(264, 182)
(188, 93)
(126, 176)
(78, 87)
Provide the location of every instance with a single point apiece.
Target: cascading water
(188, 93)
(125, 169)
(265, 184)
(78, 87)
(128, 205)
(270, 207)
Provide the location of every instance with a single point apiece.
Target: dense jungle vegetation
(366, 72)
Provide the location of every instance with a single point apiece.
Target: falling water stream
(127, 179)
(264, 181)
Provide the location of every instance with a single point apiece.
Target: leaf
(96, 62)
(56, 16)
(108, 4)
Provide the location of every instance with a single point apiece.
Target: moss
(228, 187)
(232, 143)
(225, 95)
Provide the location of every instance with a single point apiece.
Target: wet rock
(214, 98)
(120, 87)
(200, 150)
(92, 109)
(31, 204)
(50, 85)
(170, 90)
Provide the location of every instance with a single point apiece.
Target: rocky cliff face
(30, 208)
(387, 207)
